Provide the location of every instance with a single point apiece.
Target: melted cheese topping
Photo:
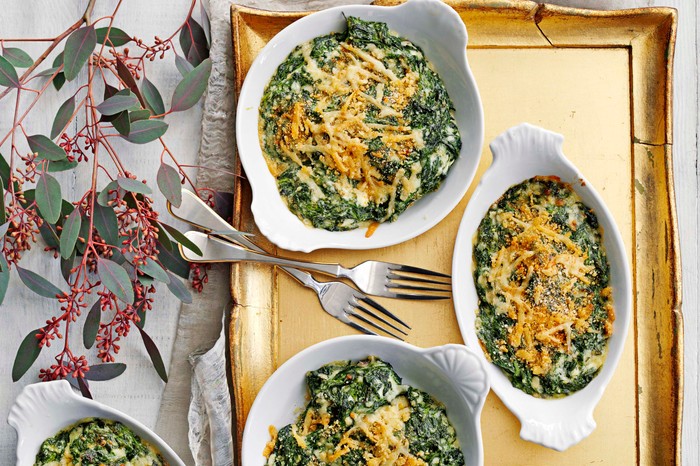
(343, 99)
(536, 279)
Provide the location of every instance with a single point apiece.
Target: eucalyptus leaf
(83, 235)
(45, 148)
(38, 284)
(179, 289)
(118, 102)
(144, 131)
(115, 278)
(62, 118)
(60, 78)
(47, 72)
(137, 115)
(104, 197)
(84, 388)
(168, 180)
(105, 371)
(128, 79)
(154, 354)
(192, 87)
(8, 74)
(92, 325)
(69, 234)
(134, 186)
(4, 277)
(18, 57)
(48, 197)
(105, 221)
(27, 353)
(182, 65)
(182, 239)
(116, 36)
(193, 41)
(50, 235)
(141, 312)
(153, 269)
(4, 227)
(153, 98)
(67, 266)
(79, 46)
(174, 262)
(4, 171)
(61, 166)
(122, 123)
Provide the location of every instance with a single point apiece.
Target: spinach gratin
(543, 282)
(97, 442)
(355, 127)
(361, 414)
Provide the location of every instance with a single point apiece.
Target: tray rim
(658, 36)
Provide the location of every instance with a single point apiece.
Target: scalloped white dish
(43, 409)
(453, 374)
(431, 25)
(521, 153)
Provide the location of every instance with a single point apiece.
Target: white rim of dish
(273, 217)
(459, 363)
(41, 406)
(521, 153)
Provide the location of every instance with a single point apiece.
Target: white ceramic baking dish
(438, 30)
(44, 409)
(453, 374)
(520, 153)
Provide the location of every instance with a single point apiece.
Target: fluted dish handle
(465, 370)
(559, 434)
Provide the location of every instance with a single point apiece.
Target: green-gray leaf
(182, 239)
(104, 197)
(154, 354)
(179, 289)
(191, 88)
(122, 100)
(153, 269)
(122, 123)
(193, 41)
(171, 258)
(137, 115)
(48, 197)
(115, 278)
(18, 57)
(79, 46)
(69, 234)
(62, 117)
(38, 284)
(182, 65)
(27, 353)
(46, 148)
(153, 98)
(61, 166)
(116, 36)
(134, 186)
(144, 131)
(4, 277)
(105, 221)
(106, 371)
(8, 74)
(92, 325)
(168, 180)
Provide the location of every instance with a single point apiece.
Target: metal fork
(337, 299)
(372, 277)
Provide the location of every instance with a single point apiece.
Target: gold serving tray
(603, 80)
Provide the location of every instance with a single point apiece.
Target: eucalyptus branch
(111, 242)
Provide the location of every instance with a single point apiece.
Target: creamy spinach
(543, 282)
(361, 414)
(356, 126)
(97, 442)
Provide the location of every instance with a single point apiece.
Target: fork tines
(373, 309)
(417, 283)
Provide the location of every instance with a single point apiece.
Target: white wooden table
(138, 391)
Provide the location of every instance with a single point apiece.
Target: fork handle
(217, 250)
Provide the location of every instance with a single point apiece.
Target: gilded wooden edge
(649, 34)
